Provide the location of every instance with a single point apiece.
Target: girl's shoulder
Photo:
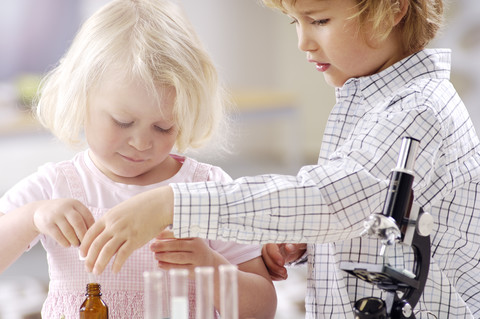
(48, 182)
(50, 174)
(196, 171)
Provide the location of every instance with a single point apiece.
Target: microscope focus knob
(407, 310)
(425, 224)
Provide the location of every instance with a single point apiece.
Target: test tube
(153, 289)
(228, 291)
(204, 306)
(178, 293)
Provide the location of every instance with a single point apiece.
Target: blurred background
(282, 104)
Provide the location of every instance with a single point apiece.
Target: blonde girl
(135, 85)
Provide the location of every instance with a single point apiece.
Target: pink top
(79, 178)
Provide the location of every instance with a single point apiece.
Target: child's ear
(403, 6)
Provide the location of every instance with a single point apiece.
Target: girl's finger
(86, 250)
(163, 245)
(177, 258)
(68, 232)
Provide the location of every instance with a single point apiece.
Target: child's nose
(141, 141)
(305, 41)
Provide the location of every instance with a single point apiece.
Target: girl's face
(336, 45)
(129, 138)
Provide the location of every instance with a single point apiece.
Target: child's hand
(186, 253)
(275, 256)
(126, 227)
(65, 220)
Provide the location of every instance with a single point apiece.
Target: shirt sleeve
(322, 203)
(235, 253)
(37, 186)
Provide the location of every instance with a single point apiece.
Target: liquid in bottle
(93, 307)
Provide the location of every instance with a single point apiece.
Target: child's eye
(314, 22)
(122, 124)
(163, 130)
(320, 22)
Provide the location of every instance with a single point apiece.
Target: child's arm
(65, 220)
(17, 231)
(275, 256)
(257, 297)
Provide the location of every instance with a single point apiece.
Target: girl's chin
(127, 176)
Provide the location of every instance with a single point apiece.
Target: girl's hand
(125, 228)
(275, 256)
(65, 220)
(186, 253)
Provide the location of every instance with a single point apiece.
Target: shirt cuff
(194, 212)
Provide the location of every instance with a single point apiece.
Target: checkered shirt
(326, 204)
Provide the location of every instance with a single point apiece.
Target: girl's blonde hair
(147, 39)
(421, 23)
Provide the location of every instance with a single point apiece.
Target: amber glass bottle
(93, 307)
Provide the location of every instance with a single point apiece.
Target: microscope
(403, 222)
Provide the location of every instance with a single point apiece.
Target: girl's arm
(17, 231)
(65, 220)
(276, 256)
(257, 296)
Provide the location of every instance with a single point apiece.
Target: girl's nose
(141, 141)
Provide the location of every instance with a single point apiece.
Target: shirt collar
(428, 63)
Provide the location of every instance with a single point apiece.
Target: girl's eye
(122, 124)
(163, 130)
(294, 21)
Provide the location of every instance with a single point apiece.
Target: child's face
(129, 139)
(336, 45)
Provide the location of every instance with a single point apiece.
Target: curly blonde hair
(148, 39)
(419, 26)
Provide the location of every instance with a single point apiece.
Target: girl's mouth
(134, 160)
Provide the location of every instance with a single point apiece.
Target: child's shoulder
(422, 79)
(420, 95)
(55, 168)
(202, 171)
(47, 182)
